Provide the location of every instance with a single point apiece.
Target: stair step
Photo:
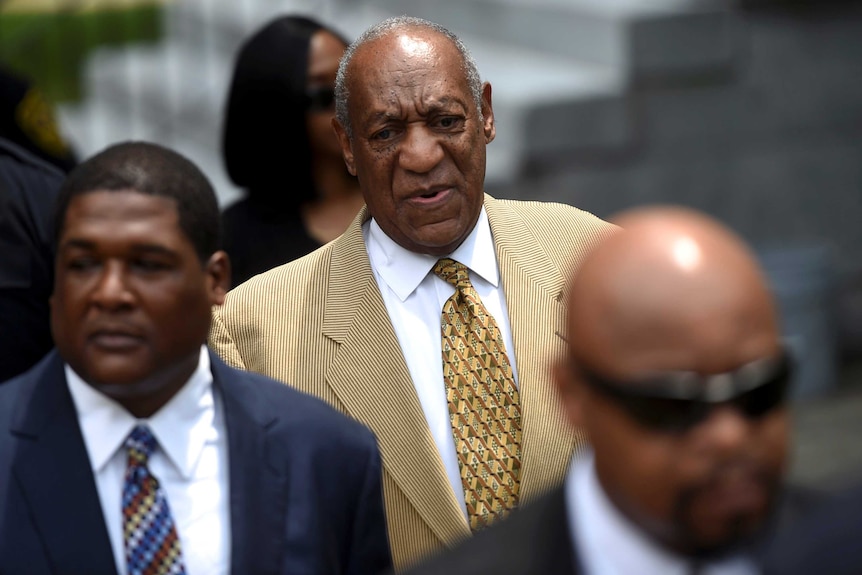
(169, 80)
(541, 101)
(222, 25)
(94, 125)
(641, 37)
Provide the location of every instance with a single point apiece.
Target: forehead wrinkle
(394, 108)
(407, 75)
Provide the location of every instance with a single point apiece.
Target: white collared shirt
(414, 298)
(190, 462)
(608, 543)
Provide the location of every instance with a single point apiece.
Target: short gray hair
(468, 65)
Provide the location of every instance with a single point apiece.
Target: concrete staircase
(561, 70)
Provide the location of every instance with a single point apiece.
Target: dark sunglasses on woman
(319, 98)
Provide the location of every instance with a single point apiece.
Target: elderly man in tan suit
(358, 322)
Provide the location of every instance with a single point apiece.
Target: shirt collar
(403, 270)
(597, 525)
(611, 526)
(180, 426)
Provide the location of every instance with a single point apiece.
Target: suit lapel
(553, 542)
(370, 377)
(53, 471)
(257, 492)
(534, 288)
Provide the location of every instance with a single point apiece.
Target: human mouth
(115, 341)
(433, 196)
(738, 494)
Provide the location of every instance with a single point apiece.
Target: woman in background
(279, 145)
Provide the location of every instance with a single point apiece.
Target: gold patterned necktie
(484, 406)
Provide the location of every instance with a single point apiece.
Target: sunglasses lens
(320, 98)
(656, 408)
(763, 399)
(666, 415)
(679, 415)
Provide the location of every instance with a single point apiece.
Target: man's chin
(126, 385)
(726, 538)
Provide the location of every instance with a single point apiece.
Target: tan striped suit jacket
(319, 323)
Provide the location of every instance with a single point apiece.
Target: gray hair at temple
(471, 72)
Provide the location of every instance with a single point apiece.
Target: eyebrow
(431, 107)
(138, 248)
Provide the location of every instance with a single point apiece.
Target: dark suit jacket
(537, 540)
(533, 540)
(826, 541)
(28, 189)
(305, 482)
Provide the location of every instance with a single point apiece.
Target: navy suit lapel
(53, 472)
(257, 490)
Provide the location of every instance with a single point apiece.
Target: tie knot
(453, 272)
(141, 443)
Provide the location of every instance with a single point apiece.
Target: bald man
(676, 372)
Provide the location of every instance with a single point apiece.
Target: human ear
(489, 127)
(571, 393)
(346, 146)
(218, 277)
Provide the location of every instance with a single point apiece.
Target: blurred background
(750, 110)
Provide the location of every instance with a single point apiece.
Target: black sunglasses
(319, 98)
(675, 402)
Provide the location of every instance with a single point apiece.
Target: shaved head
(674, 290)
(676, 293)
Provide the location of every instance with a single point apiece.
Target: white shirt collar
(597, 525)
(403, 270)
(179, 426)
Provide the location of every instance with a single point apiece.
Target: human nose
(420, 151)
(726, 429)
(112, 290)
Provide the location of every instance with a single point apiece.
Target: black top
(258, 237)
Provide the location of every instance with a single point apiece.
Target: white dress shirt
(607, 543)
(190, 462)
(414, 297)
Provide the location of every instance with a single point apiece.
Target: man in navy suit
(131, 448)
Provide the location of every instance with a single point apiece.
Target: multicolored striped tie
(484, 406)
(152, 545)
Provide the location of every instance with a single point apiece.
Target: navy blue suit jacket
(305, 482)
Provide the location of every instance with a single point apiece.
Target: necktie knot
(453, 272)
(141, 443)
